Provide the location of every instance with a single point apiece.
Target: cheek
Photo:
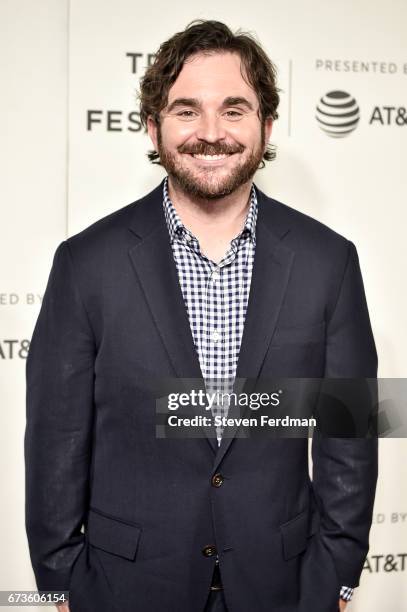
(247, 134)
(174, 136)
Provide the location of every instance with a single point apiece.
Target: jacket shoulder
(305, 234)
(114, 227)
(304, 224)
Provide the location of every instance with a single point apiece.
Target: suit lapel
(270, 275)
(154, 264)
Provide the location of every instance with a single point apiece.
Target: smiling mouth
(211, 157)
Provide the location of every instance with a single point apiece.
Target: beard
(205, 184)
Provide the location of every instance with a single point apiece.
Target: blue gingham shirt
(216, 297)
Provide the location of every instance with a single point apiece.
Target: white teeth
(210, 157)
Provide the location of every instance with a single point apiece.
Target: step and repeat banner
(74, 151)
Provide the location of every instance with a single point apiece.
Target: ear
(268, 127)
(152, 131)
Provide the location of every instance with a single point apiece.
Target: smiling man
(205, 277)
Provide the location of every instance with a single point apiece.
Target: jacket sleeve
(58, 434)
(345, 469)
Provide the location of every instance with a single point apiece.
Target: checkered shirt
(216, 297)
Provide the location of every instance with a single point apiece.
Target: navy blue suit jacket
(120, 517)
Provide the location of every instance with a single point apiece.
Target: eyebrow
(195, 103)
(236, 100)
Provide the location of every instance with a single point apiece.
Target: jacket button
(217, 480)
(209, 551)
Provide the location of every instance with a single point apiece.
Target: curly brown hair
(208, 36)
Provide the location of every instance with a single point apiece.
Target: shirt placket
(217, 314)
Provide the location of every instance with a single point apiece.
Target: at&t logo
(337, 114)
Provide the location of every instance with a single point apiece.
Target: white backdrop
(68, 63)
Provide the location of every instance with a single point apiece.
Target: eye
(186, 114)
(233, 114)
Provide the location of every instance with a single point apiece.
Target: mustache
(204, 148)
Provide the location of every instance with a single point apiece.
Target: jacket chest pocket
(308, 334)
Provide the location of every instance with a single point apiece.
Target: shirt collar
(177, 228)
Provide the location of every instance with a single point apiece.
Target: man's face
(210, 138)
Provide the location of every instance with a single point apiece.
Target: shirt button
(209, 551)
(215, 275)
(216, 336)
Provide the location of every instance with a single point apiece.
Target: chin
(208, 192)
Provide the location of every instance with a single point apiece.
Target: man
(160, 289)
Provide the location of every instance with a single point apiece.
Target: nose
(210, 128)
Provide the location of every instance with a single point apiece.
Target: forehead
(211, 76)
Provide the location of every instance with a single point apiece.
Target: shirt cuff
(346, 593)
